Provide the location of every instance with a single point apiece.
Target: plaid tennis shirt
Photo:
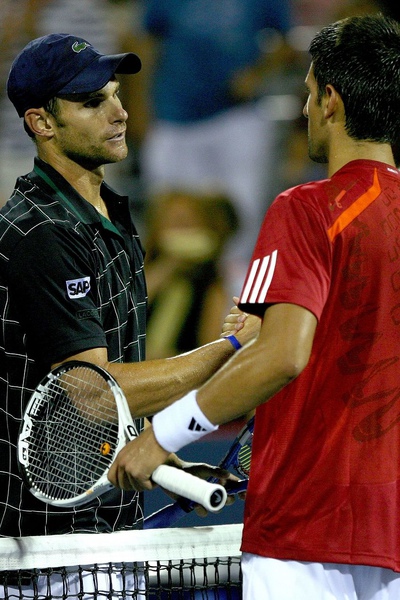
(70, 280)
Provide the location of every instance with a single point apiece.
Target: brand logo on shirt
(78, 288)
(259, 279)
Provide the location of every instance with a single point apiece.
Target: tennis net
(168, 564)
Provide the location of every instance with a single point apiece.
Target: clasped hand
(136, 462)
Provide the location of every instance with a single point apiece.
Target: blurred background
(215, 132)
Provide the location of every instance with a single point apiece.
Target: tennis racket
(237, 459)
(74, 425)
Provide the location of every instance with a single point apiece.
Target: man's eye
(93, 103)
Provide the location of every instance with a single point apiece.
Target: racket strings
(74, 435)
(244, 459)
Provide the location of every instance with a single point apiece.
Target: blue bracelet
(234, 341)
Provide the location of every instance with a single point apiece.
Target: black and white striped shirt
(70, 280)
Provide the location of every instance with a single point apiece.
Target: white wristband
(181, 423)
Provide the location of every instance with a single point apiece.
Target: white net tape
(120, 546)
(181, 563)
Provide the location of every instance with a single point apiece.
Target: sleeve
(291, 261)
(53, 287)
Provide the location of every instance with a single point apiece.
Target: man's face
(90, 129)
(317, 138)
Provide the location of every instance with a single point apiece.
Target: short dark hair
(360, 58)
(52, 106)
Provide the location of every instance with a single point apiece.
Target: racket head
(238, 456)
(70, 434)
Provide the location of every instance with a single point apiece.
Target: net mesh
(169, 564)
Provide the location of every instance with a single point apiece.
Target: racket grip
(236, 487)
(210, 495)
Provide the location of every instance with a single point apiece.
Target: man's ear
(332, 101)
(38, 121)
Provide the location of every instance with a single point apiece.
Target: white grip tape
(210, 495)
(181, 423)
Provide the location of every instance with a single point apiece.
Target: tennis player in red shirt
(322, 510)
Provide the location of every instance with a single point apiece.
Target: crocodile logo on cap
(79, 46)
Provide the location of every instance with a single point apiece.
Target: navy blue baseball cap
(59, 64)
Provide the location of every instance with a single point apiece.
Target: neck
(345, 150)
(86, 182)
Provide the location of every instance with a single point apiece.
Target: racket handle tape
(210, 495)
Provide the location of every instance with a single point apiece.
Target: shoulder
(32, 214)
(29, 206)
(311, 196)
(299, 215)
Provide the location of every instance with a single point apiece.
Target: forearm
(245, 383)
(255, 374)
(152, 385)
(250, 378)
(263, 368)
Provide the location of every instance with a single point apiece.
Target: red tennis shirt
(325, 474)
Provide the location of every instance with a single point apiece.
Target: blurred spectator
(311, 13)
(18, 25)
(351, 8)
(188, 299)
(202, 118)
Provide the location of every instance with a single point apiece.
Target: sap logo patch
(78, 288)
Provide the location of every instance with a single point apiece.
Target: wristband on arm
(234, 341)
(181, 423)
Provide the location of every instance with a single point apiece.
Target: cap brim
(99, 72)
(128, 64)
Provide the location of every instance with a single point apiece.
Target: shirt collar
(73, 201)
